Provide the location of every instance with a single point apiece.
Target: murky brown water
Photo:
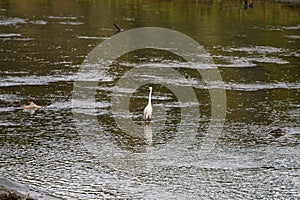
(58, 152)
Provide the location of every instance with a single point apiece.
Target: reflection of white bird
(148, 108)
(148, 133)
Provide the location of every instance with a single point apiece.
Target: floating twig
(117, 27)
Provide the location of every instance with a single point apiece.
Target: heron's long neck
(149, 99)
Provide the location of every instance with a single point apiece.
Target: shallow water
(78, 147)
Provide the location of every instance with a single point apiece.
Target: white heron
(148, 108)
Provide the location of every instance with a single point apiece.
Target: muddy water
(60, 151)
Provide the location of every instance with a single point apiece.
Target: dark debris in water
(277, 132)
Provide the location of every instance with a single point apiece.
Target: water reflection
(148, 134)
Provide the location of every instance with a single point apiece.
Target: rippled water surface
(74, 146)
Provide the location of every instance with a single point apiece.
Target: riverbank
(9, 194)
(11, 190)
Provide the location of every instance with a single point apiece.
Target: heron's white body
(148, 108)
